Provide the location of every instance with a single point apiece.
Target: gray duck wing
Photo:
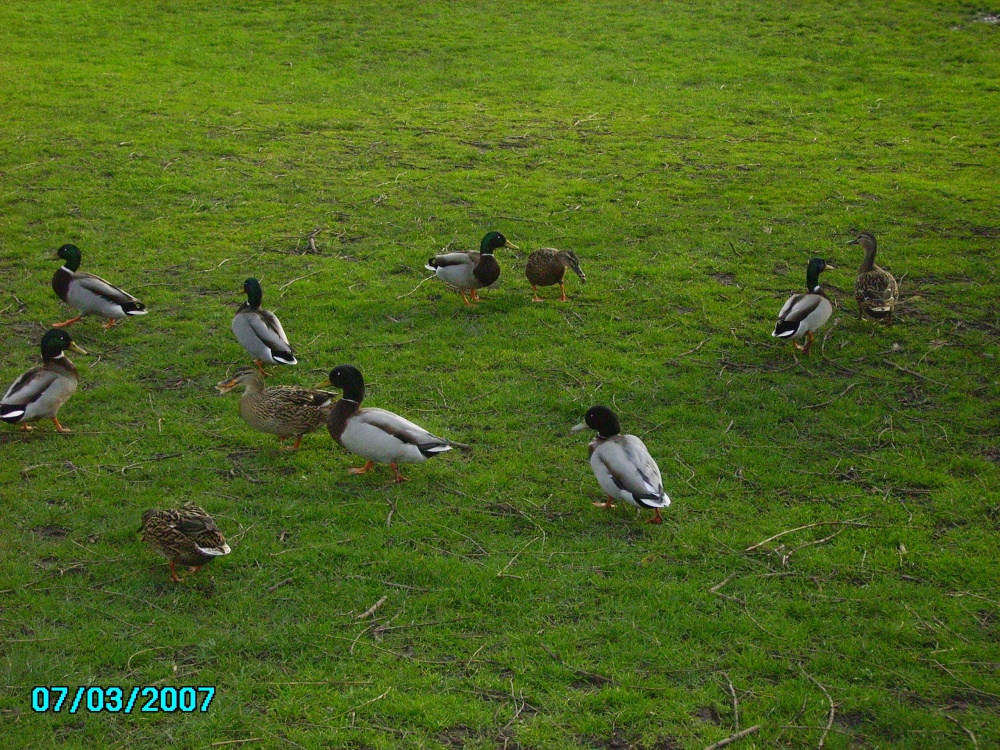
(91, 286)
(802, 308)
(260, 326)
(454, 259)
(455, 269)
(631, 467)
(404, 430)
(789, 303)
(31, 386)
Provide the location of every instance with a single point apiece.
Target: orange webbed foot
(399, 478)
(293, 447)
(361, 469)
(65, 323)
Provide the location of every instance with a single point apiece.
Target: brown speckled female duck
(548, 266)
(282, 410)
(186, 536)
(875, 288)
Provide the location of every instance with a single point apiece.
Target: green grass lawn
(695, 155)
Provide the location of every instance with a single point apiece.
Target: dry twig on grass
(954, 676)
(278, 585)
(736, 703)
(312, 239)
(734, 737)
(289, 283)
(592, 677)
(827, 403)
(362, 705)
(952, 719)
(786, 555)
(852, 522)
(833, 710)
(692, 351)
(914, 374)
(416, 287)
(503, 573)
(716, 587)
(372, 609)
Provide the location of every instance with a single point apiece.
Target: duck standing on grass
(622, 465)
(282, 410)
(41, 391)
(89, 294)
(186, 536)
(260, 332)
(875, 288)
(377, 434)
(467, 272)
(547, 266)
(804, 313)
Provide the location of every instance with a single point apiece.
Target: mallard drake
(41, 391)
(186, 536)
(547, 266)
(90, 294)
(622, 464)
(875, 288)
(282, 410)
(260, 332)
(804, 313)
(377, 434)
(468, 272)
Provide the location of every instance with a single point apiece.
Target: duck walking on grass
(547, 266)
(185, 536)
(260, 332)
(622, 465)
(804, 313)
(376, 434)
(89, 294)
(283, 410)
(875, 288)
(41, 391)
(467, 272)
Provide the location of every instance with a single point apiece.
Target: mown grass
(695, 155)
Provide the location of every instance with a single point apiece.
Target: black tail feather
(12, 413)
(785, 328)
